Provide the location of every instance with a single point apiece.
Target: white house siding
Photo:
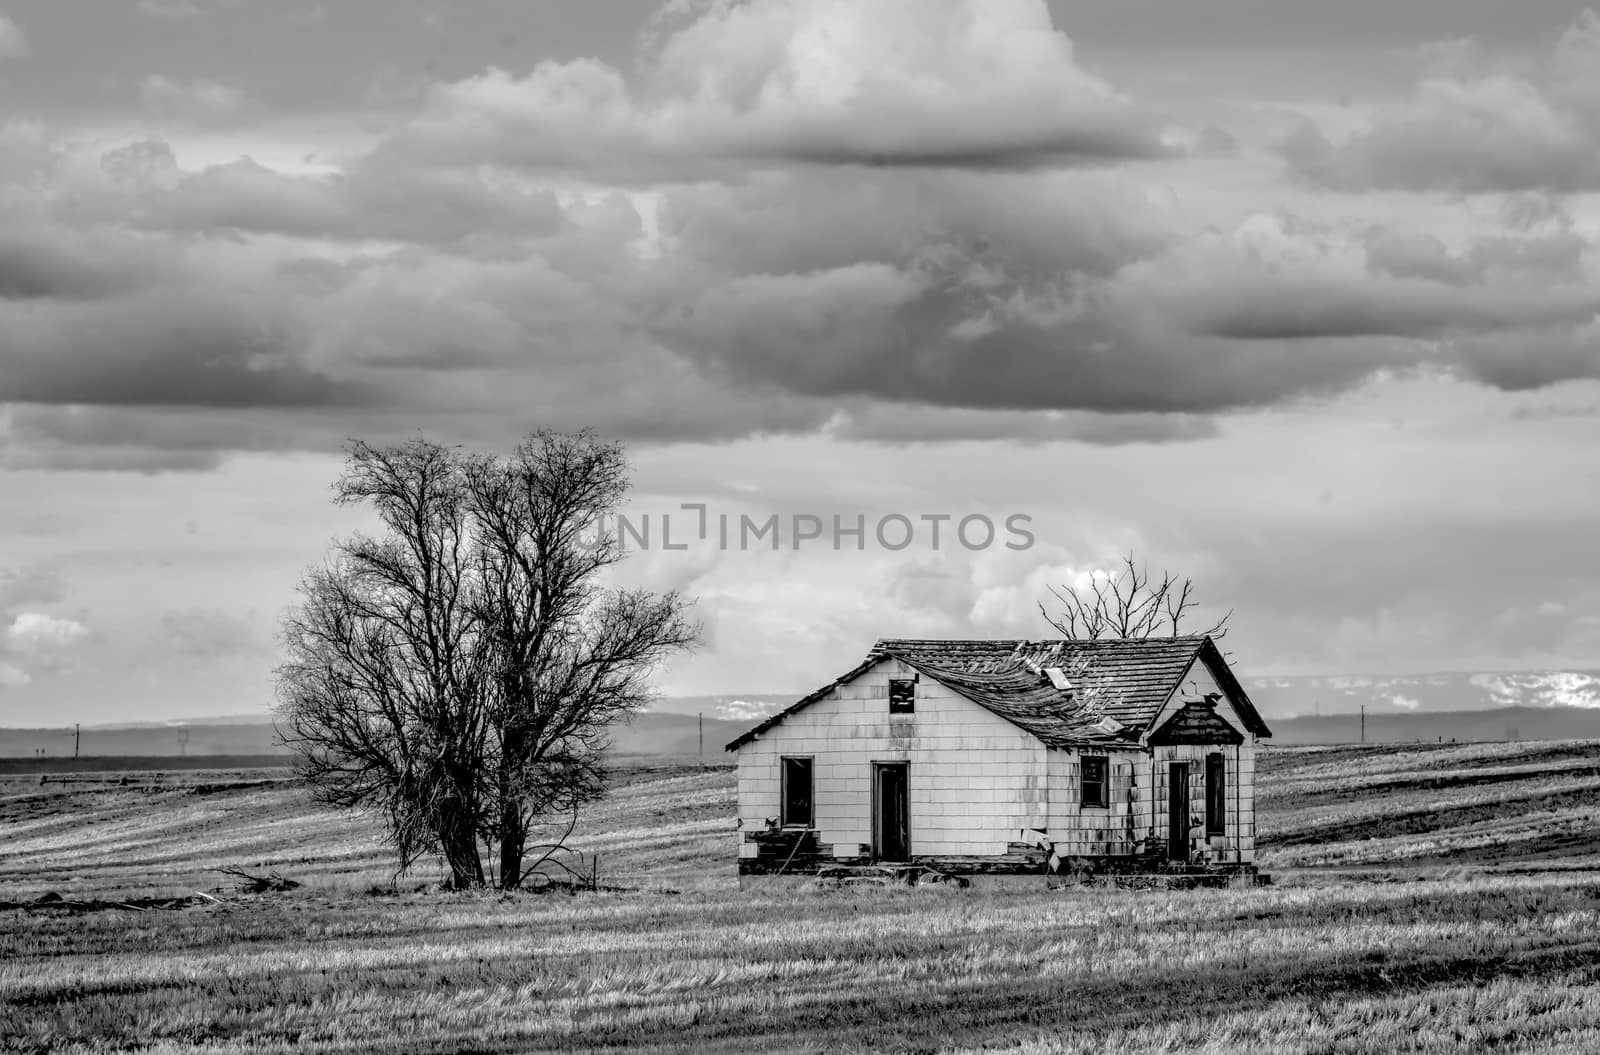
(1077, 830)
(1238, 845)
(975, 780)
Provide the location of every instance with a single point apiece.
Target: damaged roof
(1128, 681)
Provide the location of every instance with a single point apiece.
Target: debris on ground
(838, 876)
(246, 883)
(54, 902)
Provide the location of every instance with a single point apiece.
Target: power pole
(76, 732)
(1363, 723)
(702, 716)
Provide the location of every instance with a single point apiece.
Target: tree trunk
(512, 828)
(513, 837)
(459, 844)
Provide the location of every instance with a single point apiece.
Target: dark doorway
(797, 792)
(1216, 796)
(891, 812)
(1178, 811)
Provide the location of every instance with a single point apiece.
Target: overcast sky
(1298, 299)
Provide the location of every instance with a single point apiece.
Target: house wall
(975, 780)
(1092, 831)
(1238, 846)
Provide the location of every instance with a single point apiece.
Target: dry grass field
(1428, 899)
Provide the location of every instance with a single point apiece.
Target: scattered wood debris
(246, 883)
(54, 902)
(838, 876)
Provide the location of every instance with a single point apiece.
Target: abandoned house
(1009, 757)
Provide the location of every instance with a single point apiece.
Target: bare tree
(566, 660)
(1130, 604)
(458, 674)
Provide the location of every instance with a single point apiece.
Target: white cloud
(747, 710)
(980, 84)
(35, 632)
(13, 42)
(13, 676)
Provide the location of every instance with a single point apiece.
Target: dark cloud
(877, 334)
(1118, 319)
(1532, 359)
(207, 347)
(146, 440)
(58, 265)
(803, 294)
(1315, 307)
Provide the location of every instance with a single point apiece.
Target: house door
(891, 813)
(1178, 811)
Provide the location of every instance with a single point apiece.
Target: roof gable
(1197, 722)
(1129, 681)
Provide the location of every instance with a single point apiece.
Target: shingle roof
(1129, 681)
(1029, 701)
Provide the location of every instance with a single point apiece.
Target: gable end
(1197, 722)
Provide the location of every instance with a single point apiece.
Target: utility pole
(702, 716)
(1363, 723)
(76, 733)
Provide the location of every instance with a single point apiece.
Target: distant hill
(650, 733)
(1504, 723)
(255, 737)
(744, 707)
(1280, 698)
(1534, 705)
(655, 733)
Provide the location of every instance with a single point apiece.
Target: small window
(902, 695)
(1216, 796)
(797, 791)
(1093, 771)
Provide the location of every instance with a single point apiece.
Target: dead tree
(1131, 604)
(459, 673)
